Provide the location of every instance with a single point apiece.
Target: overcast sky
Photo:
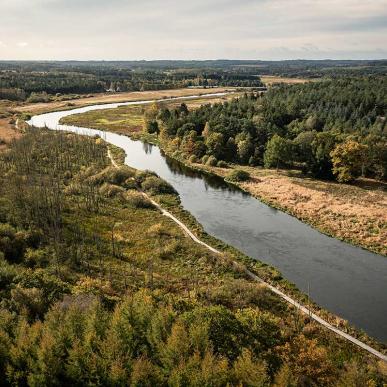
(195, 29)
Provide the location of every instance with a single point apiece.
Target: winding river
(347, 280)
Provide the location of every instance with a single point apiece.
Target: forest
(37, 85)
(39, 81)
(331, 129)
(89, 298)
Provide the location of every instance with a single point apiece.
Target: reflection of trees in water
(147, 147)
(210, 181)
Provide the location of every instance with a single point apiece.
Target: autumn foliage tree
(348, 159)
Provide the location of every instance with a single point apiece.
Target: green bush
(169, 250)
(7, 272)
(38, 97)
(155, 185)
(193, 159)
(205, 158)
(120, 175)
(110, 190)
(38, 258)
(130, 183)
(40, 288)
(152, 127)
(238, 175)
(140, 176)
(117, 176)
(136, 200)
(222, 164)
(12, 243)
(212, 161)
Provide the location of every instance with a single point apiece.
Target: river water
(346, 280)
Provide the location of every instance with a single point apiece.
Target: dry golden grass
(8, 132)
(271, 79)
(196, 103)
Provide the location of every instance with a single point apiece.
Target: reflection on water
(212, 181)
(147, 147)
(346, 280)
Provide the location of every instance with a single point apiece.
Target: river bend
(346, 280)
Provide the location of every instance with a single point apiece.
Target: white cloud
(151, 29)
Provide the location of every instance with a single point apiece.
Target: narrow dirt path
(254, 277)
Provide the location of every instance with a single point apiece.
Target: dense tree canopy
(295, 126)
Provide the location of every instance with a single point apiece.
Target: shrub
(212, 161)
(39, 288)
(73, 189)
(38, 258)
(152, 127)
(7, 272)
(155, 185)
(38, 97)
(222, 164)
(238, 175)
(136, 200)
(29, 301)
(193, 159)
(140, 176)
(117, 176)
(12, 243)
(204, 159)
(110, 190)
(130, 183)
(169, 251)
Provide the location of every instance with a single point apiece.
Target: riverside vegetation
(332, 131)
(98, 288)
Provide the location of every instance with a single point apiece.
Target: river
(346, 280)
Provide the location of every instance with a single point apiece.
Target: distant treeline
(285, 67)
(330, 128)
(18, 80)
(21, 83)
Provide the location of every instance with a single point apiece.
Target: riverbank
(119, 141)
(356, 214)
(117, 157)
(259, 271)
